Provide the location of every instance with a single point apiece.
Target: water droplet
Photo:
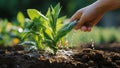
(20, 30)
(92, 44)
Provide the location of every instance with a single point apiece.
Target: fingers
(76, 16)
(85, 23)
(86, 29)
(89, 29)
(80, 23)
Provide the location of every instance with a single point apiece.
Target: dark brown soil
(100, 57)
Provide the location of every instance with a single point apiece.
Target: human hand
(87, 17)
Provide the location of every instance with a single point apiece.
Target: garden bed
(100, 57)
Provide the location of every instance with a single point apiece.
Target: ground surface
(87, 57)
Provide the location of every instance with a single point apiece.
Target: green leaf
(33, 13)
(50, 44)
(21, 18)
(55, 13)
(46, 35)
(28, 43)
(57, 10)
(60, 22)
(61, 19)
(37, 25)
(29, 25)
(4, 26)
(48, 13)
(64, 30)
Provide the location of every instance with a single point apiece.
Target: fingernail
(84, 28)
(89, 29)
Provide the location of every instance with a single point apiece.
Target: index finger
(76, 16)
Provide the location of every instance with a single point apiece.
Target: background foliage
(9, 8)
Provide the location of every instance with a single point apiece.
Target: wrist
(106, 5)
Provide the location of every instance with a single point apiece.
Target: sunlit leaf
(9, 27)
(61, 19)
(60, 22)
(33, 13)
(4, 25)
(21, 18)
(57, 10)
(59, 25)
(49, 32)
(46, 35)
(48, 13)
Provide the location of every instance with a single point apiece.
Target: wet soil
(86, 57)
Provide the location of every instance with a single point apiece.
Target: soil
(85, 57)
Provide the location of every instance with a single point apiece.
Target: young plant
(11, 32)
(47, 30)
(8, 36)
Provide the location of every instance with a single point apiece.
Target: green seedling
(8, 34)
(11, 32)
(47, 30)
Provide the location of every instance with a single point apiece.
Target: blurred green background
(9, 9)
